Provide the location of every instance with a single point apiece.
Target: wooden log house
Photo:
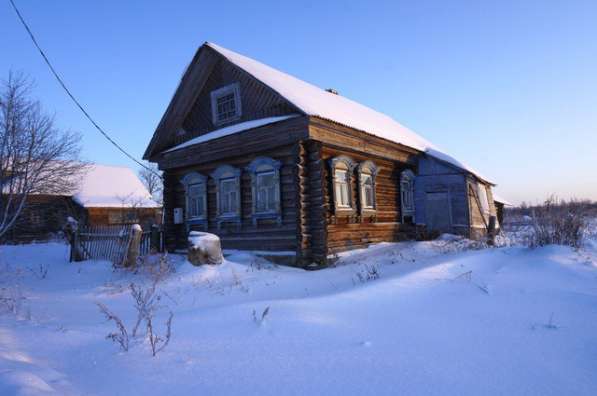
(271, 163)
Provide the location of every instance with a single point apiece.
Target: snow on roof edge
(317, 102)
(497, 198)
(230, 130)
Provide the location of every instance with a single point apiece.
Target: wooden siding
(186, 93)
(267, 235)
(43, 217)
(245, 143)
(115, 216)
(257, 101)
(345, 138)
(345, 231)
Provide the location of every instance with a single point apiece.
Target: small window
(265, 179)
(228, 197)
(367, 172)
(342, 168)
(266, 192)
(341, 182)
(227, 179)
(407, 189)
(367, 191)
(225, 104)
(195, 201)
(196, 196)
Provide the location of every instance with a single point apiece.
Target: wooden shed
(106, 195)
(271, 163)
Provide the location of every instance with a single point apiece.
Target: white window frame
(224, 196)
(226, 174)
(199, 180)
(344, 164)
(221, 92)
(263, 166)
(342, 187)
(407, 193)
(367, 169)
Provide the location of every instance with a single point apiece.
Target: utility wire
(68, 92)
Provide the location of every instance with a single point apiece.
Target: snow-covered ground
(416, 318)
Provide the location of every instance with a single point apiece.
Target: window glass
(368, 194)
(195, 200)
(226, 107)
(265, 191)
(341, 188)
(228, 196)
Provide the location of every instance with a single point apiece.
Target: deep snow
(408, 318)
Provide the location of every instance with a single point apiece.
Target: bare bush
(158, 343)
(558, 222)
(146, 303)
(367, 272)
(259, 320)
(41, 272)
(121, 336)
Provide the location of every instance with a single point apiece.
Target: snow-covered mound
(416, 318)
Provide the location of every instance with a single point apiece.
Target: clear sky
(509, 87)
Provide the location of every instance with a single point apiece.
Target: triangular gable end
(190, 106)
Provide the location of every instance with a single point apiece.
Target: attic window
(225, 104)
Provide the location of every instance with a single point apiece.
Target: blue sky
(510, 87)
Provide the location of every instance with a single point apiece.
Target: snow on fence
(111, 243)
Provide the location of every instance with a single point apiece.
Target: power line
(68, 92)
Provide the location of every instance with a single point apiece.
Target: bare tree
(35, 156)
(152, 180)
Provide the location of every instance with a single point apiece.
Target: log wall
(346, 231)
(267, 235)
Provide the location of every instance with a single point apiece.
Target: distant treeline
(584, 206)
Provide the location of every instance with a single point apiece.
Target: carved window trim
(200, 181)
(365, 170)
(227, 174)
(261, 166)
(407, 194)
(346, 165)
(231, 89)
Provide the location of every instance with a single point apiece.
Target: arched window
(342, 168)
(227, 180)
(195, 185)
(265, 187)
(407, 192)
(367, 172)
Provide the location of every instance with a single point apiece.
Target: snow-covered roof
(112, 186)
(317, 102)
(232, 129)
(499, 199)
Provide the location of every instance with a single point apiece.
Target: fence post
(155, 243)
(134, 246)
(72, 232)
